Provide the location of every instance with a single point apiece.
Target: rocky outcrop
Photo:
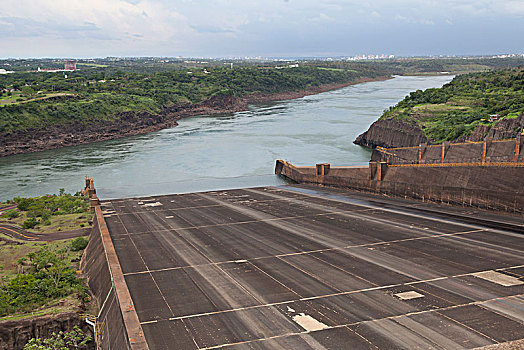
(504, 129)
(15, 334)
(391, 133)
(124, 124)
(398, 133)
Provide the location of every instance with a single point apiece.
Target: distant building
(494, 117)
(70, 65)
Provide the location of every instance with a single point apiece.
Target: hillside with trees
(86, 97)
(472, 106)
(54, 109)
(110, 98)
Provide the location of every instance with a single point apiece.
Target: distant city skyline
(271, 28)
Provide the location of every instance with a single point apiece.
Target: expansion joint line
(105, 301)
(419, 312)
(306, 252)
(376, 288)
(147, 267)
(315, 194)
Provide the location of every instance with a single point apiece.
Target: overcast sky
(238, 28)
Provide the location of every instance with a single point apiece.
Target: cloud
(24, 27)
(273, 27)
(514, 7)
(423, 21)
(322, 17)
(211, 29)
(114, 18)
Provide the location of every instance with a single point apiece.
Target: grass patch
(55, 306)
(438, 108)
(55, 223)
(511, 116)
(45, 274)
(11, 250)
(13, 100)
(92, 65)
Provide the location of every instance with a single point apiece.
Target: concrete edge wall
(512, 202)
(487, 151)
(119, 326)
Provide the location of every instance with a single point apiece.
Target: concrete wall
(483, 178)
(489, 151)
(497, 188)
(118, 323)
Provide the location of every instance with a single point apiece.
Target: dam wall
(117, 325)
(487, 151)
(490, 187)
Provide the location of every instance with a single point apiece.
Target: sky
(266, 28)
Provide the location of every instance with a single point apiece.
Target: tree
(27, 90)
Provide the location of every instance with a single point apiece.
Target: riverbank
(195, 154)
(471, 107)
(135, 123)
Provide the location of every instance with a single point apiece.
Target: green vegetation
(49, 213)
(424, 66)
(75, 339)
(455, 110)
(98, 95)
(42, 277)
(78, 244)
(106, 90)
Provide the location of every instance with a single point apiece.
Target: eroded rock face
(15, 334)
(505, 129)
(126, 124)
(391, 133)
(397, 133)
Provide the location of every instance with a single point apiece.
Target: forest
(35, 100)
(102, 89)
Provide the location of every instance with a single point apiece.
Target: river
(216, 152)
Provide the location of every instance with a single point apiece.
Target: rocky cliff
(391, 133)
(504, 129)
(15, 334)
(398, 133)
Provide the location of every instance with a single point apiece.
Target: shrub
(23, 203)
(74, 339)
(45, 214)
(30, 223)
(12, 213)
(79, 243)
(48, 277)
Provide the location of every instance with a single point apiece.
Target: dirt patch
(24, 235)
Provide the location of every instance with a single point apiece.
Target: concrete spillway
(297, 267)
